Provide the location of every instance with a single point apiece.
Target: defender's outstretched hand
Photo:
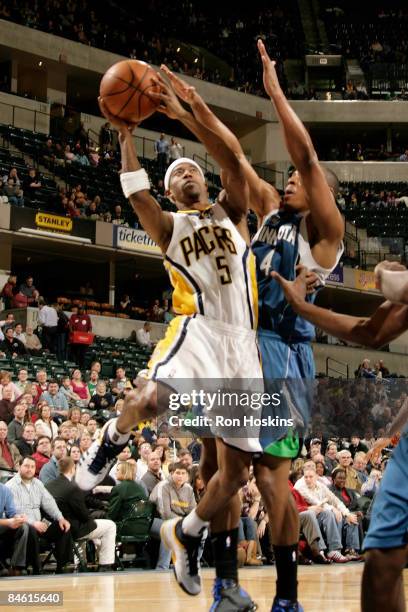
(185, 92)
(169, 103)
(295, 291)
(270, 78)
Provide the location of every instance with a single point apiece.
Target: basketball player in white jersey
(386, 542)
(212, 270)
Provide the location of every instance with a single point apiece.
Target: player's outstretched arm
(387, 323)
(263, 197)
(326, 217)
(392, 280)
(157, 223)
(228, 161)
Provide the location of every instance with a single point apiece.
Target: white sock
(116, 436)
(194, 526)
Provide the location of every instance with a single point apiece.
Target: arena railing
(344, 373)
(34, 112)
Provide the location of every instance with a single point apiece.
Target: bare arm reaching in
(263, 197)
(327, 224)
(387, 323)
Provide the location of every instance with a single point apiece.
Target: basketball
(125, 88)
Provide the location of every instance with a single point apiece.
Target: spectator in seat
(102, 399)
(81, 158)
(142, 466)
(154, 473)
(7, 383)
(19, 334)
(80, 322)
(92, 382)
(125, 305)
(157, 313)
(41, 385)
(173, 497)
(197, 483)
(55, 400)
(9, 453)
(360, 464)
(80, 387)
(118, 216)
(85, 441)
(50, 470)
(66, 389)
(309, 526)
(26, 444)
(364, 370)
(175, 150)
(48, 319)
(74, 419)
(28, 289)
(124, 455)
(92, 428)
(7, 291)
(11, 346)
(33, 344)
(356, 446)
(185, 457)
(32, 499)
(45, 426)
(69, 155)
(14, 193)
(9, 321)
(43, 453)
(22, 383)
(317, 494)
(16, 426)
(71, 501)
(345, 459)
(126, 492)
(247, 536)
(85, 416)
(75, 453)
(32, 183)
(14, 533)
(384, 371)
(121, 381)
(321, 471)
(143, 335)
(7, 406)
(345, 495)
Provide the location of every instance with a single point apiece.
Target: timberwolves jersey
(280, 245)
(211, 268)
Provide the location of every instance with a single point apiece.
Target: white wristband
(132, 182)
(394, 285)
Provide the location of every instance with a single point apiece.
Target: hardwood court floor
(322, 590)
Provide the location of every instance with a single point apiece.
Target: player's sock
(115, 436)
(193, 526)
(286, 568)
(225, 549)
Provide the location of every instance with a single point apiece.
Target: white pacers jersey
(211, 268)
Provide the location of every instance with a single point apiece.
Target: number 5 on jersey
(225, 274)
